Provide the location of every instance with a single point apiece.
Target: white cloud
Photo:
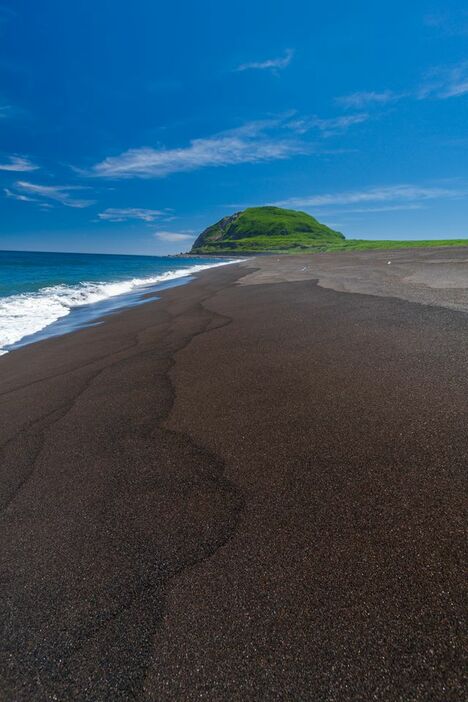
(441, 82)
(392, 193)
(6, 13)
(57, 193)
(18, 196)
(257, 141)
(362, 99)
(174, 236)
(251, 143)
(450, 23)
(328, 126)
(385, 208)
(274, 64)
(18, 163)
(25, 198)
(446, 82)
(115, 214)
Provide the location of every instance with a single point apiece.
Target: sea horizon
(94, 253)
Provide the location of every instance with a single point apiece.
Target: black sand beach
(251, 489)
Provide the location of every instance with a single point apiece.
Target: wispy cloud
(18, 163)
(363, 99)
(19, 196)
(328, 126)
(449, 23)
(445, 82)
(6, 12)
(441, 82)
(174, 236)
(5, 111)
(32, 192)
(253, 142)
(42, 204)
(392, 193)
(115, 214)
(384, 208)
(274, 64)
(271, 139)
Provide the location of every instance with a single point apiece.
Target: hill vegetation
(260, 229)
(368, 244)
(277, 230)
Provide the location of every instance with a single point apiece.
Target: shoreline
(81, 314)
(251, 488)
(95, 313)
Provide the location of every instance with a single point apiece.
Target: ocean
(45, 294)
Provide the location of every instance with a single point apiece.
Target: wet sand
(251, 489)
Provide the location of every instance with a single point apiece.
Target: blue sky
(127, 127)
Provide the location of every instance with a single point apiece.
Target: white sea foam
(27, 313)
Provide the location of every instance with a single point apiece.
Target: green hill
(273, 229)
(259, 229)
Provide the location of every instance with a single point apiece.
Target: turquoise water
(38, 289)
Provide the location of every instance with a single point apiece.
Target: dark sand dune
(240, 492)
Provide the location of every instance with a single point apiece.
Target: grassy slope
(364, 244)
(277, 222)
(282, 245)
(265, 229)
(273, 229)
